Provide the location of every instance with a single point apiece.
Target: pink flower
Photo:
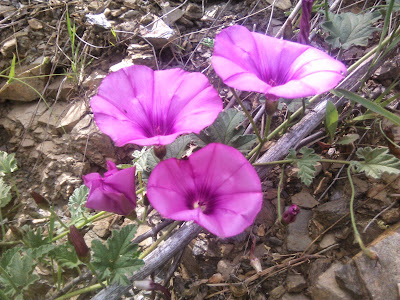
(140, 106)
(115, 192)
(289, 216)
(216, 187)
(255, 62)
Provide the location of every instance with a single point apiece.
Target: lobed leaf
(306, 164)
(376, 162)
(349, 29)
(66, 257)
(348, 139)
(118, 257)
(5, 195)
(8, 163)
(76, 204)
(227, 129)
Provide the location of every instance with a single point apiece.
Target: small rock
(318, 267)
(391, 216)
(9, 47)
(61, 88)
(35, 24)
(297, 237)
(329, 212)
(94, 79)
(281, 4)
(225, 268)
(327, 241)
(277, 292)
(304, 199)
(216, 278)
(171, 14)
(131, 4)
(295, 283)
(379, 192)
(158, 33)
(326, 287)
(193, 12)
(348, 279)
(211, 12)
(98, 20)
(101, 228)
(72, 117)
(53, 115)
(289, 296)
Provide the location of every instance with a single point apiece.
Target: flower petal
(141, 106)
(272, 66)
(220, 178)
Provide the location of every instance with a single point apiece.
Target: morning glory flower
(140, 106)
(255, 62)
(216, 187)
(113, 192)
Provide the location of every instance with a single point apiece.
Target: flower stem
(265, 139)
(357, 236)
(247, 115)
(54, 214)
(279, 193)
(93, 270)
(155, 244)
(81, 291)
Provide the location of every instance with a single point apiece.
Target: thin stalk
(247, 115)
(279, 193)
(327, 10)
(154, 245)
(93, 270)
(265, 139)
(81, 291)
(3, 231)
(54, 214)
(357, 236)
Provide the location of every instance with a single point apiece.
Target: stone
(75, 112)
(131, 4)
(94, 79)
(381, 277)
(101, 228)
(391, 216)
(98, 20)
(281, 4)
(225, 268)
(298, 238)
(25, 114)
(34, 82)
(378, 191)
(193, 12)
(348, 279)
(304, 199)
(171, 14)
(35, 24)
(88, 140)
(317, 267)
(327, 241)
(327, 288)
(277, 292)
(53, 115)
(8, 48)
(157, 33)
(295, 283)
(290, 296)
(329, 212)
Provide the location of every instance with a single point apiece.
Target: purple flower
(306, 8)
(255, 62)
(115, 192)
(140, 106)
(216, 187)
(289, 216)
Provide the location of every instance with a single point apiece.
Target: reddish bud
(76, 239)
(289, 216)
(41, 202)
(160, 152)
(150, 285)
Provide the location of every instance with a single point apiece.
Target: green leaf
(8, 163)
(348, 29)
(331, 119)
(5, 195)
(20, 271)
(6, 257)
(66, 257)
(12, 70)
(178, 147)
(76, 205)
(34, 238)
(42, 250)
(227, 129)
(348, 139)
(376, 162)
(119, 257)
(306, 164)
(370, 105)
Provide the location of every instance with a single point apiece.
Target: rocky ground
(50, 128)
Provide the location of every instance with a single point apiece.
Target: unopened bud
(146, 201)
(289, 216)
(150, 285)
(40, 201)
(160, 152)
(76, 239)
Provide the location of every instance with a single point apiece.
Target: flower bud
(289, 216)
(41, 202)
(76, 239)
(150, 285)
(160, 152)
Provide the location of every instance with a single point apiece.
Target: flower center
(200, 204)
